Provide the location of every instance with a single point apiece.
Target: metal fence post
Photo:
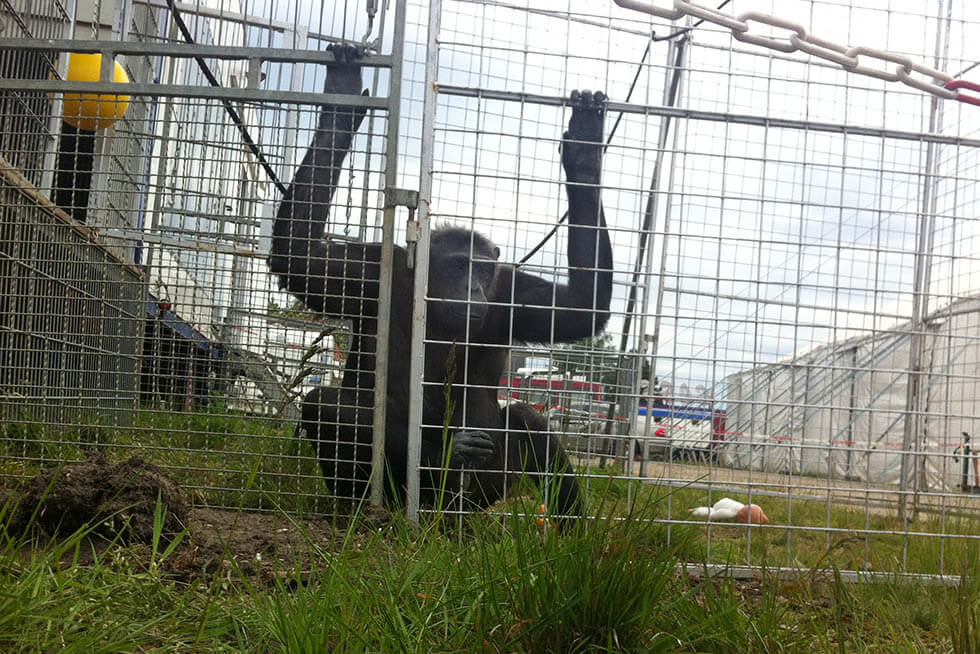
(387, 255)
(422, 264)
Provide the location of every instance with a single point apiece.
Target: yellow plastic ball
(93, 111)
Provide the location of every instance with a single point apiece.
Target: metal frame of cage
(910, 496)
(651, 303)
(20, 41)
(648, 312)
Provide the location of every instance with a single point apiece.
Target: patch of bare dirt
(118, 501)
(256, 544)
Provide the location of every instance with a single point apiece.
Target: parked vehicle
(573, 404)
(679, 433)
(544, 390)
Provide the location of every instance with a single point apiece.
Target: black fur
(478, 303)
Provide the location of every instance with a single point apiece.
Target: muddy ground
(117, 502)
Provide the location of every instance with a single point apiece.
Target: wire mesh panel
(72, 318)
(793, 258)
(141, 312)
(27, 113)
(745, 274)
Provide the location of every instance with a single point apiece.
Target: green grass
(856, 540)
(221, 458)
(498, 584)
(503, 585)
(798, 535)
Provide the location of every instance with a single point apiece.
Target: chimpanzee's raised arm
(547, 312)
(333, 278)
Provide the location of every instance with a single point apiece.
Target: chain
(350, 199)
(854, 59)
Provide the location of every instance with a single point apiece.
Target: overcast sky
(776, 239)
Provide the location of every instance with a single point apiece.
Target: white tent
(845, 410)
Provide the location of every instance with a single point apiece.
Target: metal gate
(790, 200)
(793, 226)
(137, 301)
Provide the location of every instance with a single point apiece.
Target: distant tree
(340, 334)
(294, 310)
(595, 358)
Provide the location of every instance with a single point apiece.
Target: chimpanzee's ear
(496, 252)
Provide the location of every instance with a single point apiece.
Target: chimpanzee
(477, 307)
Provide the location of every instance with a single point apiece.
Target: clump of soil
(118, 500)
(115, 499)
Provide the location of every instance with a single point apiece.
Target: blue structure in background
(181, 366)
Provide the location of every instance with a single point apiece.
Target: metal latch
(400, 197)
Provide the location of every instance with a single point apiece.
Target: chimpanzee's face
(461, 276)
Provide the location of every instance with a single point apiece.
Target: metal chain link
(892, 67)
